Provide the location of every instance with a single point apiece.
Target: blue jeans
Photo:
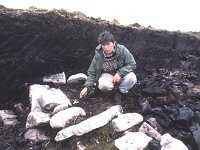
(125, 84)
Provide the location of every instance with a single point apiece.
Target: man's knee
(105, 88)
(131, 77)
(127, 82)
(105, 82)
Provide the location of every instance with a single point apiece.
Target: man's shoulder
(120, 46)
(98, 51)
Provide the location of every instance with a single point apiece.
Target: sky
(172, 15)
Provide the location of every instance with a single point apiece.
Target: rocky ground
(35, 43)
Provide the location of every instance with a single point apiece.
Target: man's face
(108, 47)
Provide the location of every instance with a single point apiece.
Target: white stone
(77, 78)
(37, 119)
(126, 121)
(169, 143)
(150, 131)
(7, 114)
(62, 118)
(35, 135)
(90, 124)
(44, 97)
(56, 78)
(133, 141)
(10, 122)
(59, 108)
(35, 92)
(8, 118)
(153, 122)
(51, 97)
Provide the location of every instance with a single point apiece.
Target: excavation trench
(36, 43)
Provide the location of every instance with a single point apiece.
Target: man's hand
(83, 92)
(116, 78)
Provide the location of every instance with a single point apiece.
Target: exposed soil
(35, 43)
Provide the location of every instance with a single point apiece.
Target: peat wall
(34, 43)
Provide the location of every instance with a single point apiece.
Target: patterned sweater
(109, 64)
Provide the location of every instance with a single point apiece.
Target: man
(112, 68)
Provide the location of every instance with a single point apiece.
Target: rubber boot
(117, 98)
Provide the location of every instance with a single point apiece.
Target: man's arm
(130, 64)
(90, 78)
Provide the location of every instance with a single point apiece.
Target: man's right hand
(83, 92)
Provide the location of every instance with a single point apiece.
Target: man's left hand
(116, 78)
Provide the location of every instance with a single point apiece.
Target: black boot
(117, 98)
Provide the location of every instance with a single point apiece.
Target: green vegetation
(32, 8)
(101, 139)
(59, 11)
(115, 22)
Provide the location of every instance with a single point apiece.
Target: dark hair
(105, 37)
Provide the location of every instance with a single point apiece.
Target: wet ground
(164, 95)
